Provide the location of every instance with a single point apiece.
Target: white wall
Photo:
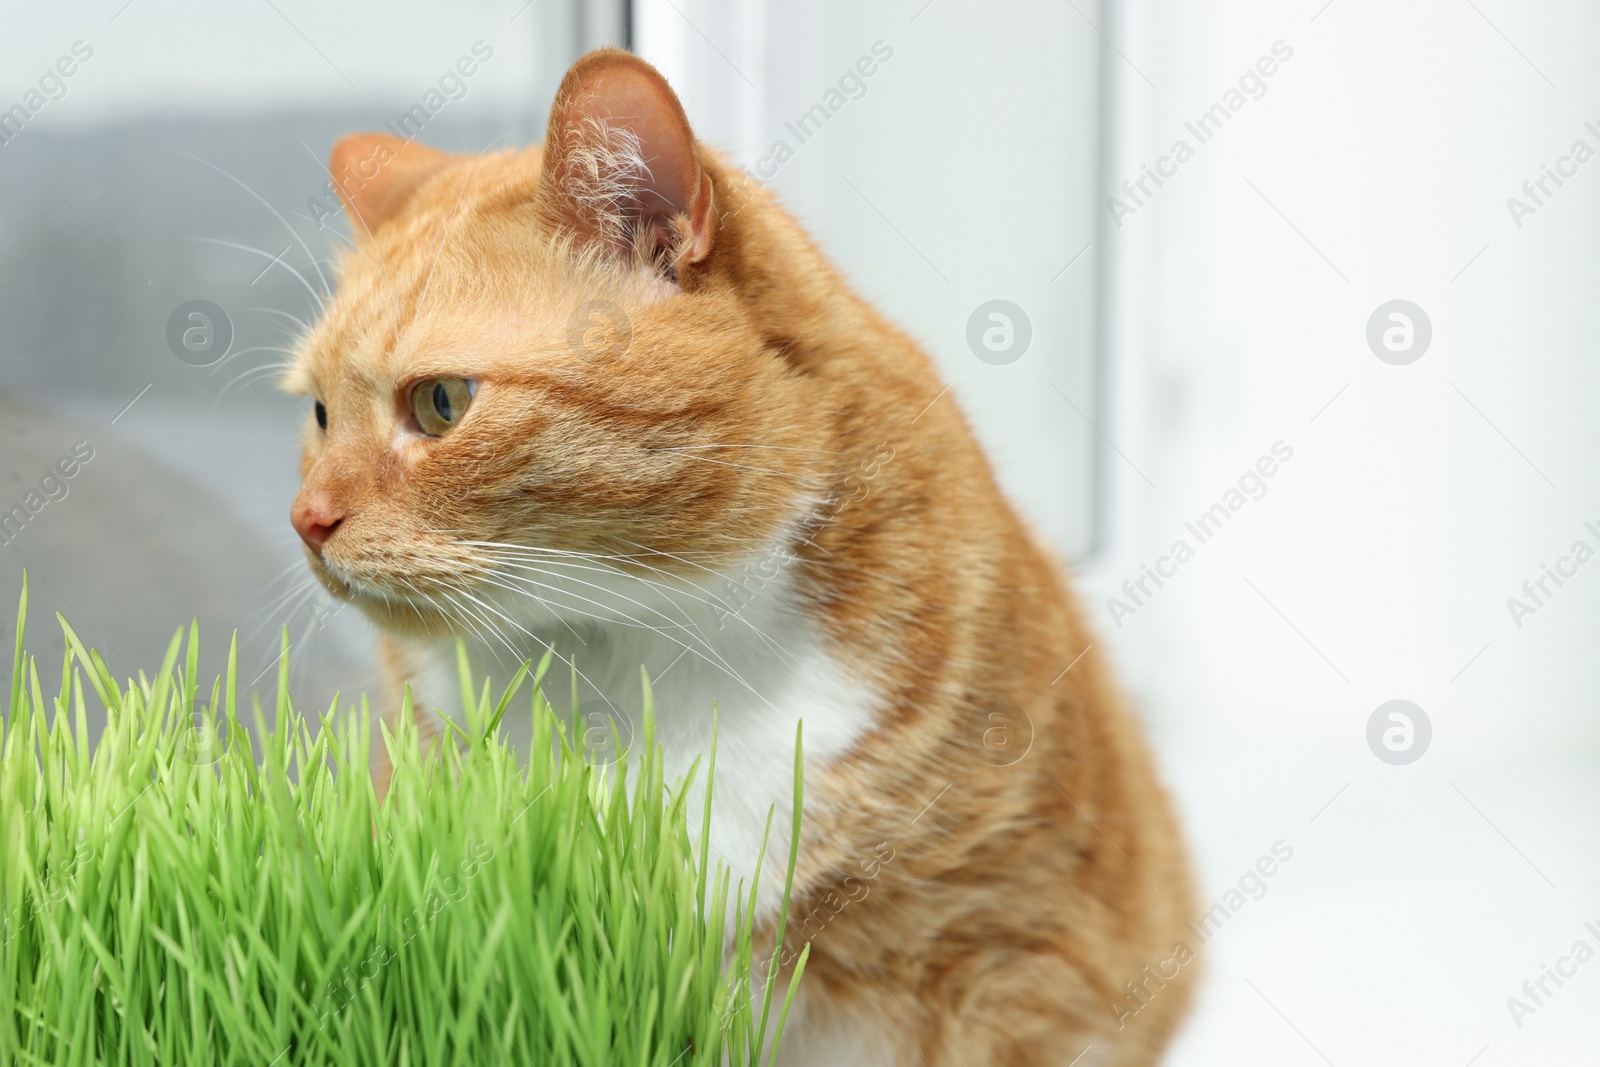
(1378, 565)
(1376, 166)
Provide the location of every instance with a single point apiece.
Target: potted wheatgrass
(187, 892)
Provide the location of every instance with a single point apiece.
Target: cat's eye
(440, 403)
(322, 416)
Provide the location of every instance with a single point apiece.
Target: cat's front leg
(402, 663)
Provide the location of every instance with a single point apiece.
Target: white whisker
(276, 259)
(562, 558)
(263, 202)
(305, 327)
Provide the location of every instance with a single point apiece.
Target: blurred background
(1303, 288)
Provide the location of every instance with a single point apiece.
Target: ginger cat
(604, 396)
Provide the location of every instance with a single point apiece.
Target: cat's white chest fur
(751, 677)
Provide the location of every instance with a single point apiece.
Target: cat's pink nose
(315, 518)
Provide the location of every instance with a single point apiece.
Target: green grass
(187, 892)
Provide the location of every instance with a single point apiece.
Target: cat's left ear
(621, 165)
(376, 174)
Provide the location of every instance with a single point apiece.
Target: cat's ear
(376, 174)
(621, 167)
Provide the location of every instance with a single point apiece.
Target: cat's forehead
(452, 335)
(482, 316)
(465, 283)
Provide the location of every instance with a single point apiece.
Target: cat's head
(543, 355)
